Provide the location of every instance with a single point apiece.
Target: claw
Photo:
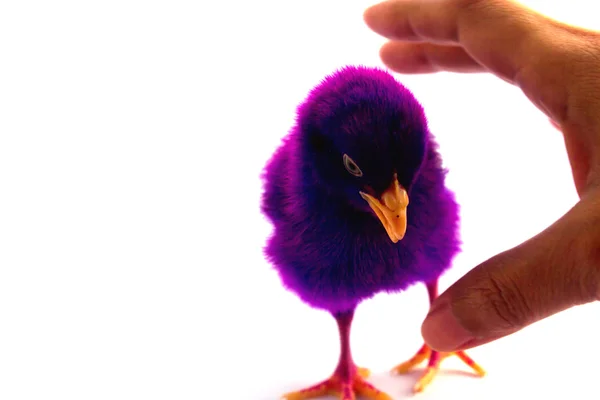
(345, 389)
(368, 391)
(469, 361)
(426, 379)
(417, 359)
(318, 390)
(435, 358)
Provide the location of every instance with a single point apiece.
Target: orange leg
(435, 357)
(347, 381)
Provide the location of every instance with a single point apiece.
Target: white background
(132, 136)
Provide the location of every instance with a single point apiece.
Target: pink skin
(346, 369)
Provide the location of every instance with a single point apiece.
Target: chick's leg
(435, 358)
(348, 381)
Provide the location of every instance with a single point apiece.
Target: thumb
(555, 270)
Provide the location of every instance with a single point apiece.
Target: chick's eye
(351, 166)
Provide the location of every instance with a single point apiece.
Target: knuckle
(507, 301)
(485, 8)
(469, 4)
(466, 10)
(499, 301)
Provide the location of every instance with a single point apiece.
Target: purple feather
(328, 245)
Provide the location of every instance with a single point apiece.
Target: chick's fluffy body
(327, 250)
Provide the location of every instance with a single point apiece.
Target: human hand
(558, 68)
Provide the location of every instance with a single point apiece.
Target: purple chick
(357, 197)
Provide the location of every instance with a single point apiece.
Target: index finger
(501, 35)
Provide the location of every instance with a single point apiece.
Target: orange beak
(391, 209)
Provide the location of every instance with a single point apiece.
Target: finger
(451, 21)
(555, 270)
(418, 58)
(501, 35)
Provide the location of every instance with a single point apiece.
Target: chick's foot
(435, 359)
(346, 387)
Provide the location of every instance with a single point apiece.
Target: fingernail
(442, 331)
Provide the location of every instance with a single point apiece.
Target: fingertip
(386, 52)
(380, 18)
(371, 14)
(442, 331)
(404, 58)
(387, 57)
